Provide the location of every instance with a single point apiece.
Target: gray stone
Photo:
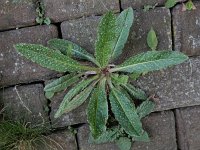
(16, 69)
(160, 126)
(26, 103)
(186, 33)
(176, 87)
(61, 10)
(188, 124)
(16, 14)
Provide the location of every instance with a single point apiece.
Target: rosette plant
(106, 86)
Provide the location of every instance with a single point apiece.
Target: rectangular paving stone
(186, 26)
(188, 124)
(175, 87)
(61, 10)
(83, 31)
(17, 14)
(26, 103)
(160, 126)
(16, 69)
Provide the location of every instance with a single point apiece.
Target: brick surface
(188, 125)
(15, 69)
(26, 103)
(13, 15)
(176, 87)
(160, 126)
(62, 10)
(83, 31)
(186, 33)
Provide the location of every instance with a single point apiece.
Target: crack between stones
(172, 30)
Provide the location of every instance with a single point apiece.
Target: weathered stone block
(16, 14)
(26, 103)
(176, 87)
(160, 126)
(188, 124)
(61, 10)
(186, 33)
(16, 69)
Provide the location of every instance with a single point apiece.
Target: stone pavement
(175, 124)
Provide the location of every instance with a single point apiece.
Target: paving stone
(26, 103)
(186, 33)
(176, 87)
(61, 10)
(16, 14)
(160, 126)
(16, 69)
(188, 125)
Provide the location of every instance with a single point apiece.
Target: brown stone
(26, 103)
(160, 126)
(186, 25)
(61, 10)
(16, 14)
(15, 69)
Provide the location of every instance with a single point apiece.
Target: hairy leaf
(105, 39)
(97, 112)
(125, 113)
(49, 58)
(123, 22)
(152, 40)
(124, 143)
(170, 3)
(150, 61)
(145, 108)
(119, 79)
(71, 49)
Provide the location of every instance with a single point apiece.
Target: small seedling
(190, 6)
(106, 85)
(40, 10)
(152, 40)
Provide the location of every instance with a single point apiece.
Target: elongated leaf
(152, 40)
(71, 49)
(135, 92)
(119, 79)
(124, 143)
(145, 108)
(150, 61)
(125, 113)
(97, 112)
(124, 22)
(72, 94)
(61, 83)
(49, 58)
(106, 39)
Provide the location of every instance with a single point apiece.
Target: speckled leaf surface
(49, 58)
(145, 108)
(97, 112)
(124, 143)
(150, 61)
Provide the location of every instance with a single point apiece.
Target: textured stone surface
(83, 31)
(26, 103)
(15, 69)
(188, 125)
(160, 126)
(176, 87)
(16, 14)
(186, 33)
(70, 9)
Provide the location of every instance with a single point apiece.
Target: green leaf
(144, 137)
(124, 22)
(119, 79)
(49, 95)
(39, 20)
(150, 61)
(135, 92)
(189, 5)
(170, 3)
(124, 143)
(106, 39)
(47, 21)
(49, 58)
(72, 96)
(134, 76)
(61, 83)
(145, 108)
(97, 112)
(71, 49)
(125, 113)
(152, 40)
(108, 136)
